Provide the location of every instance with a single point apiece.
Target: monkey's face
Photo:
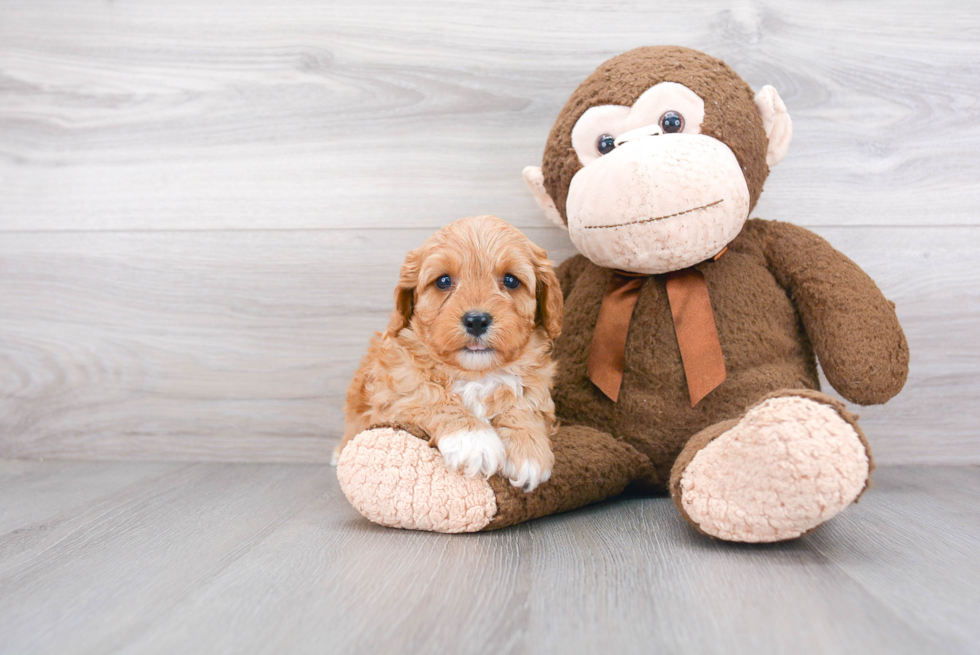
(657, 159)
(653, 194)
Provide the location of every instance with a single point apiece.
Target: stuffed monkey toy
(688, 356)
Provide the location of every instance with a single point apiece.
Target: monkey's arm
(853, 327)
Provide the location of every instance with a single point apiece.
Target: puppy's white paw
(473, 452)
(527, 474)
(335, 457)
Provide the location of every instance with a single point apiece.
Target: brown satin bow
(694, 324)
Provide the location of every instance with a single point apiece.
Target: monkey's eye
(671, 122)
(511, 282)
(605, 144)
(444, 282)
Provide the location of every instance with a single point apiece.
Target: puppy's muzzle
(476, 323)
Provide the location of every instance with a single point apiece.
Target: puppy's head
(476, 292)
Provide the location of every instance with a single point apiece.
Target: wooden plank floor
(100, 557)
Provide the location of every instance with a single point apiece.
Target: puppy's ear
(550, 299)
(408, 280)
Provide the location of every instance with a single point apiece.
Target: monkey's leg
(395, 479)
(790, 463)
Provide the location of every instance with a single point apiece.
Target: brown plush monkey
(688, 355)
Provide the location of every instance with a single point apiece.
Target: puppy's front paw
(473, 452)
(528, 473)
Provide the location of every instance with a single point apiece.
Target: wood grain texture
(187, 115)
(203, 205)
(29, 490)
(232, 558)
(240, 345)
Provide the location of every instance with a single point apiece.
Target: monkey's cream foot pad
(787, 466)
(395, 479)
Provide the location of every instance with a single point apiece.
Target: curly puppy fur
(484, 400)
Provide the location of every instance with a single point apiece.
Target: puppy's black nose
(476, 323)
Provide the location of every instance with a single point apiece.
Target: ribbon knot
(694, 325)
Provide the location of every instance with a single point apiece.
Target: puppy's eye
(511, 282)
(605, 144)
(444, 282)
(671, 122)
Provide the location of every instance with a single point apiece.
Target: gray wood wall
(203, 205)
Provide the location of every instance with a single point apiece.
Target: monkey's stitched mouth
(658, 218)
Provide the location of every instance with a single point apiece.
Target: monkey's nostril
(476, 323)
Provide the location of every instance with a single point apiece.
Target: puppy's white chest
(476, 392)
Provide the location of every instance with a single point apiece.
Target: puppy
(465, 358)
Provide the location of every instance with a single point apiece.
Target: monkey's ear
(535, 182)
(408, 280)
(777, 123)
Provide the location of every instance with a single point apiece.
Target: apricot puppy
(465, 358)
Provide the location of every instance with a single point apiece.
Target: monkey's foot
(395, 479)
(789, 464)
